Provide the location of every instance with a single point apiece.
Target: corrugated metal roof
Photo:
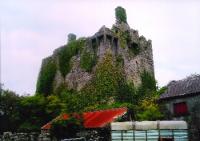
(96, 119)
(190, 85)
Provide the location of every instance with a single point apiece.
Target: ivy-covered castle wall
(74, 65)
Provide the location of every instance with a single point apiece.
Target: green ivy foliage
(120, 14)
(67, 52)
(88, 61)
(123, 36)
(148, 84)
(119, 61)
(105, 81)
(46, 77)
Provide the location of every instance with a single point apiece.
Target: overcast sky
(32, 29)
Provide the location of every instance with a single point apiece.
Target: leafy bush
(146, 107)
(46, 77)
(120, 14)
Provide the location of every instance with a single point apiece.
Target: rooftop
(96, 119)
(184, 87)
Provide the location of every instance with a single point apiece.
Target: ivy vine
(46, 77)
(67, 52)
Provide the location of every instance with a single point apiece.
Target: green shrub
(148, 106)
(46, 77)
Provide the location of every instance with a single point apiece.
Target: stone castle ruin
(123, 42)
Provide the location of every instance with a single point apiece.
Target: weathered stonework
(108, 39)
(77, 78)
(9, 136)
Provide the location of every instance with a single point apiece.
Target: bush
(146, 107)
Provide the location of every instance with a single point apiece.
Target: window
(180, 109)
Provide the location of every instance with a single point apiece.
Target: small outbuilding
(182, 101)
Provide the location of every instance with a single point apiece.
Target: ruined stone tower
(122, 41)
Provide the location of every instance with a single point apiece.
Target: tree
(33, 113)
(54, 105)
(9, 111)
(120, 14)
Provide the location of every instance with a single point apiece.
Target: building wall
(193, 118)
(190, 101)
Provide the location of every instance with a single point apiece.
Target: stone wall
(8, 136)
